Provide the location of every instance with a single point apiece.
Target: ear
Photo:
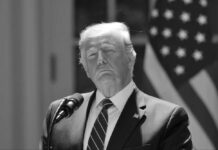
(88, 75)
(86, 69)
(83, 64)
(131, 57)
(131, 62)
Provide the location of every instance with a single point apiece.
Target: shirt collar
(119, 100)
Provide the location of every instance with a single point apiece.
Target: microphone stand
(53, 121)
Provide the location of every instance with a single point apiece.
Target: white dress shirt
(119, 100)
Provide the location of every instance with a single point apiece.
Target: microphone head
(74, 101)
(69, 105)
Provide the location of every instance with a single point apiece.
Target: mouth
(103, 72)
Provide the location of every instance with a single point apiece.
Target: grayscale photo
(109, 74)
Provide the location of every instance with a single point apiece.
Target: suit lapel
(87, 108)
(90, 102)
(127, 122)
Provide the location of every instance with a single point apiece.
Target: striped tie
(97, 137)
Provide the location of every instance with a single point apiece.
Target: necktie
(97, 136)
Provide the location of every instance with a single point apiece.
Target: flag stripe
(166, 90)
(141, 79)
(213, 73)
(147, 86)
(205, 89)
(200, 111)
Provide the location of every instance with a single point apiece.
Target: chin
(104, 75)
(105, 78)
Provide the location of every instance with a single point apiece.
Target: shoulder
(160, 109)
(154, 102)
(56, 103)
(162, 117)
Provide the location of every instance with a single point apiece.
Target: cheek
(122, 65)
(91, 67)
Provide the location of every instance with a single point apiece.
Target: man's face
(107, 60)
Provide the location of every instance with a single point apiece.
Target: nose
(100, 58)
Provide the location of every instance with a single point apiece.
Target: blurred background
(175, 40)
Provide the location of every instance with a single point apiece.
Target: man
(133, 120)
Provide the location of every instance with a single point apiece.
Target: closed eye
(91, 53)
(108, 49)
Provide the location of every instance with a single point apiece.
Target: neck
(109, 89)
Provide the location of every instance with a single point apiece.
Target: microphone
(69, 105)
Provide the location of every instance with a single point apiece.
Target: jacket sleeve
(176, 135)
(43, 144)
(46, 123)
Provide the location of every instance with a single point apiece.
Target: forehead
(103, 39)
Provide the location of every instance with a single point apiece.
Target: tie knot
(107, 103)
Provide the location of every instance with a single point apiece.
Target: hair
(99, 29)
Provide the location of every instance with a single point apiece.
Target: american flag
(181, 64)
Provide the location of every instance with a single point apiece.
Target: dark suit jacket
(146, 123)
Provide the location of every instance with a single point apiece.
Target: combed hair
(105, 28)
